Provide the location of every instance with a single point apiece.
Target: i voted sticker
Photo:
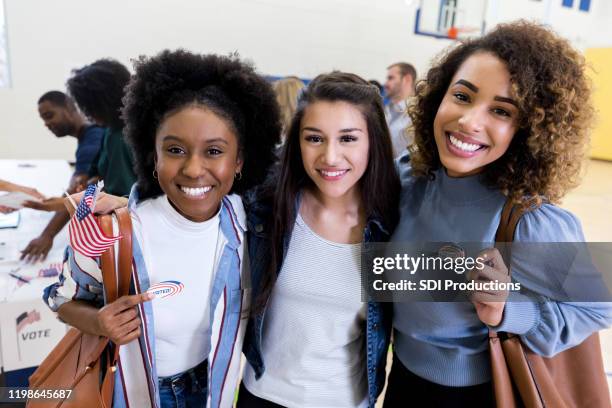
(166, 288)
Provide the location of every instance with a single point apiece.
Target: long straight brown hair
(380, 186)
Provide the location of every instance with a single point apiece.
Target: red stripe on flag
(87, 237)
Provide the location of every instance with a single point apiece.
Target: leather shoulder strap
(117, 284)
(125, 250)
(107, 261)
(511, 215)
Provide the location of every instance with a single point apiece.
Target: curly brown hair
(546, 155)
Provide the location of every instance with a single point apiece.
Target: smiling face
(197, 158)
(477, 117)
(334, 144)
(56, 118)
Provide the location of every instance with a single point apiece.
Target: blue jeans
(185, 390)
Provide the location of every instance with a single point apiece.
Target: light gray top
(314, 338)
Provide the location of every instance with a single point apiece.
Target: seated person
(97, 89)
(62, 118)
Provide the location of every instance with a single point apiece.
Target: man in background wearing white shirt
(399, 87)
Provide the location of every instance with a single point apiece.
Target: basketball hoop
(460, 32)
(451, 19)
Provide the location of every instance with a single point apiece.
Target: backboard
(451, 19)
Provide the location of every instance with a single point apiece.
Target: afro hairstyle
(97, 89)
(226, 85)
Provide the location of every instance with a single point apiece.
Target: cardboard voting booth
(28, 331)
(28, 328)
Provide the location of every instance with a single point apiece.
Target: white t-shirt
(314, 338)
(176, 249)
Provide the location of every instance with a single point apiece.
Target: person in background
(98, 90)
(287, 91)
(61, 117)
(399, 87)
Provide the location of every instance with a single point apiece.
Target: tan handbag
(81, 362)
(572, 378)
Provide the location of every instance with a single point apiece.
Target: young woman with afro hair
(502, 117)
(203, 130)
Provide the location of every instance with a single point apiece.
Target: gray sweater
(445, 342)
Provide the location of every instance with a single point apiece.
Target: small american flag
(26, 318)
(86, 236)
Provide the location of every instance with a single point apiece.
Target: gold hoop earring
(238, 176)
(155, 174)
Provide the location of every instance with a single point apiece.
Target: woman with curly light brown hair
(504, 116)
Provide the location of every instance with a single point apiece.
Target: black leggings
(407, 389)
(248, 400)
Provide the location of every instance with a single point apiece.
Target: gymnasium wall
(600, 59)
(48, 38)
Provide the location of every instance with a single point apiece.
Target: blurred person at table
(7, 186)
(98, 89)
(61, 117)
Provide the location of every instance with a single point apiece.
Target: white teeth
(195, 192)
(468, 147)
(332, 173)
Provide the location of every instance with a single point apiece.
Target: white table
(26, 343)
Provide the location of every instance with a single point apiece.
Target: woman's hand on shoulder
(105, 203)
(490, 304)
(119, 320)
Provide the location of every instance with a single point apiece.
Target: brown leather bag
(86, 363)
(572, 378)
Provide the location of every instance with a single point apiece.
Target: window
(585, 5)
(5, 77)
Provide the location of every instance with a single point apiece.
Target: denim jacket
(378, 322)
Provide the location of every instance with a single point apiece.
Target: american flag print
(53, 269)
(26, 318)
(85, 233)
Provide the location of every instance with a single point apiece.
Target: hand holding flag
(85, 233)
